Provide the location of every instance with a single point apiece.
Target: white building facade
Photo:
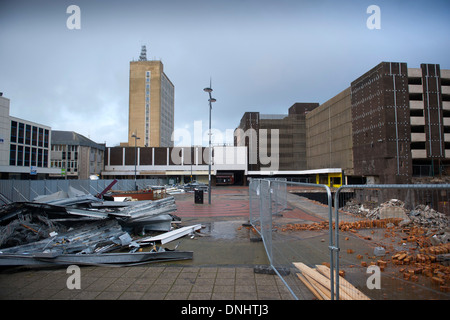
(24, 146)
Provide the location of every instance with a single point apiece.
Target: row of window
(28, 156)
(147, 107)
(60, 147)
(69, 166)
(29, 135)
(167, 110)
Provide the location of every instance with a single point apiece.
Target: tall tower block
(151, 104)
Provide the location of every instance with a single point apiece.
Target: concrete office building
(74, 156)
(329, 141)
(24, 146)
(391, 125)
(151, 104)
(258, 132)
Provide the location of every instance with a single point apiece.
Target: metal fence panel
(387, 241)
(254, 202)
(277, 220)
(266, 216)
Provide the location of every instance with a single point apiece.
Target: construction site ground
(225, 254)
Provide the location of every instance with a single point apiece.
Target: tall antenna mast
(143, 56)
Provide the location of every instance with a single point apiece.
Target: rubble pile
(422, 216)
(27, 228)
(427, 217)
(371, 210)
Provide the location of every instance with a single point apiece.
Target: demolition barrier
(380, 242)
(28, 190)
(271, 215)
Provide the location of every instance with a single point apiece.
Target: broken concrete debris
(417, 237)
(421, 216)
(267, 269)
(75, 228)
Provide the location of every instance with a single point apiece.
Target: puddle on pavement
(226, 230)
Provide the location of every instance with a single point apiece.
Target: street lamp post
(211, 100)
(135, 158)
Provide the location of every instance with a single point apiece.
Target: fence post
(250, 189)
(333, 248)
(336, 246)
(269, 222)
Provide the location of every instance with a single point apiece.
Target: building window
(27, 157)
(20, 155)
(12, 155)
(45, 160)
(41, 137)
(28, 134)
(39, 162)
(13, 131)
(33, 156)
(34, 136)
(46, 135)
(21, 132)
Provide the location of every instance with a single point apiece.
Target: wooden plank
(310, 287)
(321, 289)
(321, 279)
(344, 285)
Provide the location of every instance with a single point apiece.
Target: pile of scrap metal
(76, 228)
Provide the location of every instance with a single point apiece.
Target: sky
(259, 55)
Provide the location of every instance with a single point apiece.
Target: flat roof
(294, 172)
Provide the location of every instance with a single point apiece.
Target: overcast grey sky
(261, 55)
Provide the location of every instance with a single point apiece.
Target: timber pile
(317, 280)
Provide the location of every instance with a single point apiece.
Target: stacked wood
(317, 280)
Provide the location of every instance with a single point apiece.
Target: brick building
(390, 125)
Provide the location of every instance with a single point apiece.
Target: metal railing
(27, 190)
